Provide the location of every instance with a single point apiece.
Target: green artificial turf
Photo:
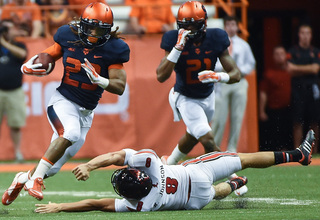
(283, 192)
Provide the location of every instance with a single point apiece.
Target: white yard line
(108, 194)
(273, 201)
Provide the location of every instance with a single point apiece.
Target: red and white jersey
(177, 187)
(170, 183)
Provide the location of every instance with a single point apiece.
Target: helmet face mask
(131, 183)
(197, 28)
(95, 24)
(192, 15)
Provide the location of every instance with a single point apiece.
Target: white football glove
(209, 76)
(29, 68)
(94, 77)
(182, 38)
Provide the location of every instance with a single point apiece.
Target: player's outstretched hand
(209, 76)
(182, 38)
(94, 77)
(31, 69)
(47, 208)
(81, 172)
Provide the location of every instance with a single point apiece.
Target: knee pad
(72, 135)
(200, 130)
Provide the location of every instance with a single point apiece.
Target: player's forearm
(117, 81)
(164, 70)
(230, 67)
(116, 86)
(234, 75)
(104, 160)
(87, 205)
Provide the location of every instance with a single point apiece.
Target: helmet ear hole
(131, 183)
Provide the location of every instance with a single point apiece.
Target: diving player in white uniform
(146, 184)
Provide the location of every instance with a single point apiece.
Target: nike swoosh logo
(94, 56)
(8, 202)
(207, 52)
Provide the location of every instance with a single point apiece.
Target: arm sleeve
(129, 154)
(139, 159)
(123, 205)
(55, 51)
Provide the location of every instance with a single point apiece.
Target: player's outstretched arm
(230, 66)
(82, 172)
(105, 205)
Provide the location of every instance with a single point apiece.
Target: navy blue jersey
(194, 59)
(76, 85)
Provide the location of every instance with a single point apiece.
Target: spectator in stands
(151, 16)
(233, 97)
(12, 98)
(82, 4)
(274, 104)
(304, 65)
(58, 17)
(28, 16)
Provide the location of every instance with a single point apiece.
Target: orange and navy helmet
(192, 15)
(95, 24)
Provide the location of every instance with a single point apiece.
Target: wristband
(224, 77)
(174, 55)
(103, 82)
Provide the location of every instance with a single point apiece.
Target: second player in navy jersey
(194, 59)
(192, 52)
(93, 58)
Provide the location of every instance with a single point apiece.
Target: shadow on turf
(4, 212)
(240, 203)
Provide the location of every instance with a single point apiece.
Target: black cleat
(306, 148)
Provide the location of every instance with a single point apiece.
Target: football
(47, 61)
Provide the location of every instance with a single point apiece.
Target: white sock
(41, 169)
(232, 176)
(23, 178)
(175, 156)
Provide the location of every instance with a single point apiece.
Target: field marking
(103, 194)
(109, 194)
(273, 201)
